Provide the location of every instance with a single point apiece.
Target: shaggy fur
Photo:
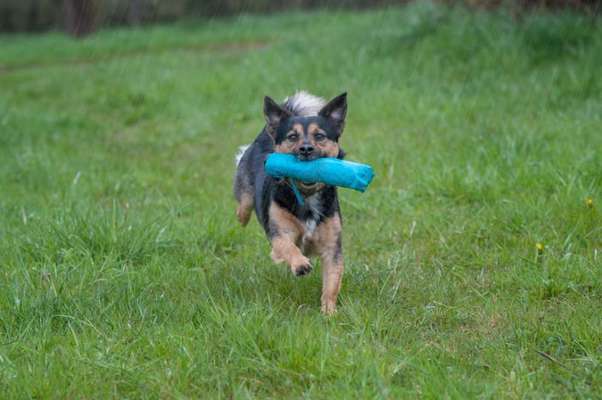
(308, 127)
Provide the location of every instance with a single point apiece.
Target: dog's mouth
(308, 186)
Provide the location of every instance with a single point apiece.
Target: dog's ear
(274, 115)
(335, 111)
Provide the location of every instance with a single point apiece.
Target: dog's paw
(301, 267)
(329, 308)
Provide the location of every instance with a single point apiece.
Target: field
(473, 262)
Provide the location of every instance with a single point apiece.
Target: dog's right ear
(274, 115)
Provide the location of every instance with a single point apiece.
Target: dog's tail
(240, 153)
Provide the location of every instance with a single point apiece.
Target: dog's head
(307, 137)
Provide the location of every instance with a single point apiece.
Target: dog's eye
(319, 137)
(293, 137)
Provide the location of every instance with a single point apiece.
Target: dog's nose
(306, 149)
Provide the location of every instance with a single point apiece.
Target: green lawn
(124, 273)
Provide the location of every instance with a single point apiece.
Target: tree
(80, 17)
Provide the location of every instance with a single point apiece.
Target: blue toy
(330, 171)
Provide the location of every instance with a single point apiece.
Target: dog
(308, 127)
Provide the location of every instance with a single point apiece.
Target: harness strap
(296, 191)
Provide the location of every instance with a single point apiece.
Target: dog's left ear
(335, 111)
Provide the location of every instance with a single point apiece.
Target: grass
(125, 275)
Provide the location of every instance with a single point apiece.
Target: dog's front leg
(284, 249)
(330, 249)
(285, 232)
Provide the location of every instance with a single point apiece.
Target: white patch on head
(241, 152)
(304, 104)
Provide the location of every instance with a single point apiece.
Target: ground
(474, 260)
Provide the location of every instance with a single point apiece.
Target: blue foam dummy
(330, 171)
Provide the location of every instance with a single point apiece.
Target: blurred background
(472, 262)
(81, 17)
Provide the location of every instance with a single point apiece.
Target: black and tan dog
(310, 128)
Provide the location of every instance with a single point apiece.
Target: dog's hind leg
(245, 208)
(243, 187)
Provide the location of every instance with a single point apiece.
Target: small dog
(310, 128)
